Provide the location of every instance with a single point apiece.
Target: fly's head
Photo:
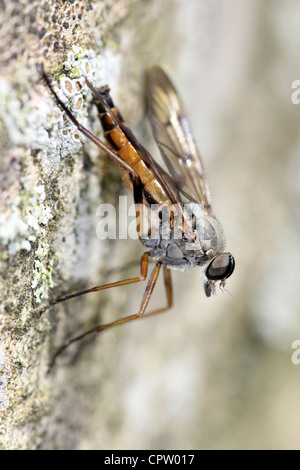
(218, 269)
(217, 264)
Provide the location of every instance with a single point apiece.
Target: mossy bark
(51, 185)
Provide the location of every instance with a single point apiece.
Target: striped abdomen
(152, 190)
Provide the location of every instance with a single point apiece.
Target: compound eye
(220, 267)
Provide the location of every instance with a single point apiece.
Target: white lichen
(27, 220)
(64, 139)
(42, 280)
(31, 119)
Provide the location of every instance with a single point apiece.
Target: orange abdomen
(121, 144)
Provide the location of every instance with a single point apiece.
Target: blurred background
(217, 373)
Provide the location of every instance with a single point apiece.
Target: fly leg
(124, 282)
(141, 314)
(113, 155)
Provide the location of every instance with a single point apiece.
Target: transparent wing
(174, 138)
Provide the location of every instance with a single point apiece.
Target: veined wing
(175, 140)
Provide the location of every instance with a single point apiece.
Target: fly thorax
(210, 235)
(191, 239)
(207, 237)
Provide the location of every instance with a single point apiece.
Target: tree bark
(51, 186)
